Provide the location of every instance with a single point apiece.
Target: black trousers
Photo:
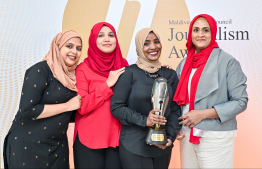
(133, 161)
(106, 158)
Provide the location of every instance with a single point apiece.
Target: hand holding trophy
(159, 98)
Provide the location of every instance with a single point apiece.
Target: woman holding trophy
(131, 105)
(212, 92)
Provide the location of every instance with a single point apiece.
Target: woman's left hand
(169, 143)
(192, 118)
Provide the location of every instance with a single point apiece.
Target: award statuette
(159, 99)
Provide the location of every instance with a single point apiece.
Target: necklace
(151, 75)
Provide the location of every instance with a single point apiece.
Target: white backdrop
(28, 26)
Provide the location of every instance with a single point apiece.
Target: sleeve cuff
(172, 139)
(33, 112)
(105, 90)
(220, 118)
(144, 121)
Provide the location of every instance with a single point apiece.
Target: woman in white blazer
(211, 92)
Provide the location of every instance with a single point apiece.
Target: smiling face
(71, 51)
(152, 47)
(106, 40)
(201, 34)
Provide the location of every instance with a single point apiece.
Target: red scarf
(100, 62)
(198, 61)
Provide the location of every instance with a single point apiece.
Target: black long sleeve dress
(131, 104)
(39, 143)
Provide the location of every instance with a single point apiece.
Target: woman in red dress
(97, 131)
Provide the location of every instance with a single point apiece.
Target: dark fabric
(100, 62)
(86, 158)
(40, 143)
(6, 153)
(131, 104)
(194, 60)
(132, 161)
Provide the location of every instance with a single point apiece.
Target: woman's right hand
(74, 103)
(113, 76)
(152, 118)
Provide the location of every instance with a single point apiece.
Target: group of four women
(113, 103)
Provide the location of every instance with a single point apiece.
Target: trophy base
(157, 137)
